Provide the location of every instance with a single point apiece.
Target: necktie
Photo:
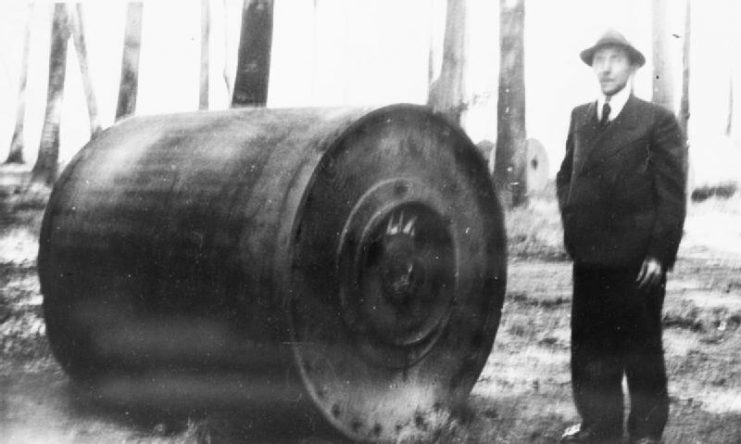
(605, 115)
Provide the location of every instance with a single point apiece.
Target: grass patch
(522, 298)
(535, 230)
(687, 315)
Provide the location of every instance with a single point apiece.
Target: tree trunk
(663, 75)
(78, 34)
(205, 63)
(511, 148)
(130, 61)
(446, 93)
(253, 63)
(227, 72)
(684, 107)
(729, 123)
(431, 55)
(45, 170)
(15, 155)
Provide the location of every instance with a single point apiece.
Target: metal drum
(350, 260)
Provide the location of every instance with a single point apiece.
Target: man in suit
(621, 192)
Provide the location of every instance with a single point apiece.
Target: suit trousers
(616, 331)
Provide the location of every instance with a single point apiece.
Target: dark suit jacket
(621, 189)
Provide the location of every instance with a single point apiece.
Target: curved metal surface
(352, 260)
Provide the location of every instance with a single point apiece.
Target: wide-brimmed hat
(613, 38)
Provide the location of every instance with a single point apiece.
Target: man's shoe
(578, 434)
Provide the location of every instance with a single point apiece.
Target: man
(621, 192)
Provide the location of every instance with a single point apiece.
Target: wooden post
(129, 84)
(15, 155)
(78, 34)
(205, 62)
(446, 93)
(45, 170)
(511, 148)
(253, 65)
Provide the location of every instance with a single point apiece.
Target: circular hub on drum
(396, 269)
(397, 277)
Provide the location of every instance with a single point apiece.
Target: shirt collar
(617, 102)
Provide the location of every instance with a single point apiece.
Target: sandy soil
(523, 394)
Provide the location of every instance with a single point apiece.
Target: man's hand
(650, 275)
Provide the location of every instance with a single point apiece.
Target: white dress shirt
(617, 101)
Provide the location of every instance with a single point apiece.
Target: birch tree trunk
(78, 34)
(205, 62)
(511, 147)
(253, 63)
(227, 71)
(663, 69)
(129, 84)
(447, 92)
(45, 170)
(15, 155)
(729, 123)
(432, 56)
(684, 107)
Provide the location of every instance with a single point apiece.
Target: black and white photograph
(372, 221)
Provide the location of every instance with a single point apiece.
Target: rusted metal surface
(347, 261)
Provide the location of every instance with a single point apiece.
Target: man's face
(613, 68)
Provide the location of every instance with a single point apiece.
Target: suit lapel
(587, 132)
(602, 143)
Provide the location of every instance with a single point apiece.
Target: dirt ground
(523, 394)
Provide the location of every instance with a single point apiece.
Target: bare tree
(227, 72)
(15, 155)
(45, 170)
(729, 123)
(253, 63)
(205, 63)
(129, 83)
(663, 69)
(431, 52)
(446, 93)
(78, 34)
(684, 107)
(511, 148)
